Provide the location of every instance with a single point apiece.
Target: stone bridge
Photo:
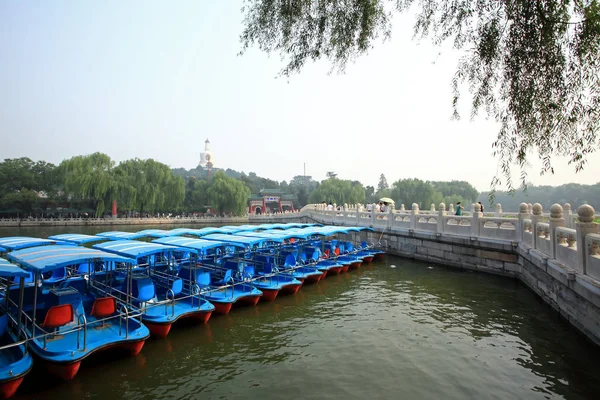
(556, 254)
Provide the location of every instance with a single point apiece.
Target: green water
(417, 331)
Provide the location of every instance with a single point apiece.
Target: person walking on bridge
(459, 209)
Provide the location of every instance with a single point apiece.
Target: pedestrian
(459, 209)
(480, 205)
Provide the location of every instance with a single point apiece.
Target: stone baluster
(390, 217)
(585, 226)
(414, 216)
(373, 216)
(523, 215)
(451, 209)
(477, 214)
(530, 208)
(556, 220)
(536, 218)
(345, 213)
(432, 208)
(498, 210)
(440, 220)
(567, 214)
(402, 207)
(357, 215)
(473, 207)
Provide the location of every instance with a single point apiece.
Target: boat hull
(314, 278)
(290, 289)
(345, 268)
(379, 256)
(334, 270)
(355, 264)
(9, 387)
(68, 370)
(222, 308)
(269, 294)
(159, 330)
(368, 259)
(249, 300)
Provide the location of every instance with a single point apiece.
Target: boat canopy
(120, 235)
(22, 242)
(155, 233)
(200, 245)
(133, 248)
(205, 231)
(278, 234)
(230, 229)
(8, 270)
(243, 240)
(182, 231)
(48, 258)
(247, 228)
(77, 238)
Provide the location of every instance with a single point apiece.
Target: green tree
(532, 65)
(90, 177)
(410, 191)
(382, 185)
(338, 191)
(228, 194)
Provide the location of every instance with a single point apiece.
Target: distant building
(206, 158)
(270, 201)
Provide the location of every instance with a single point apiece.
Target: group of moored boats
(71, 295)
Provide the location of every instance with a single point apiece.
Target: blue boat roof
(230, 229)
(22, 242)
(133, 248)
(277, 234)
(155, 233)
(11, 270)
(201, 245)
(77, 238)
(120, 235)
(205, 231)
(47, 258)
(244, 240)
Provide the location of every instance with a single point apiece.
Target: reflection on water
(418, 331)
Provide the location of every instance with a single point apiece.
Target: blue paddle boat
(15, 360)
(68, 323)
(206, 271)
(156, 287)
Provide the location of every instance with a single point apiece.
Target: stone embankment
(556, 254)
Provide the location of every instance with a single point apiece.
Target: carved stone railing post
(475, 220)
(498, 210)
(523, 215)
(402, 207)
(567, 214)
(414, 217)
(440, 219)
(358, 216)
(535, 219)
(451, 209)
(585, 226)
(432, 209)
(556, 220)
(373, 217)
(390, 218)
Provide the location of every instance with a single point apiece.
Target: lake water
(416, 331)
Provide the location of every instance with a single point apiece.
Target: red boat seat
(104, 307)
(58, 316)
(337, 251)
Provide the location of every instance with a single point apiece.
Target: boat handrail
(172, 301)
(79, 331)
(124, 308)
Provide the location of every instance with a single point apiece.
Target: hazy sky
(156, 78)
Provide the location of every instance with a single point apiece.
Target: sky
(155, 79)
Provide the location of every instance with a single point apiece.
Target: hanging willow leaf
(532, 65)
